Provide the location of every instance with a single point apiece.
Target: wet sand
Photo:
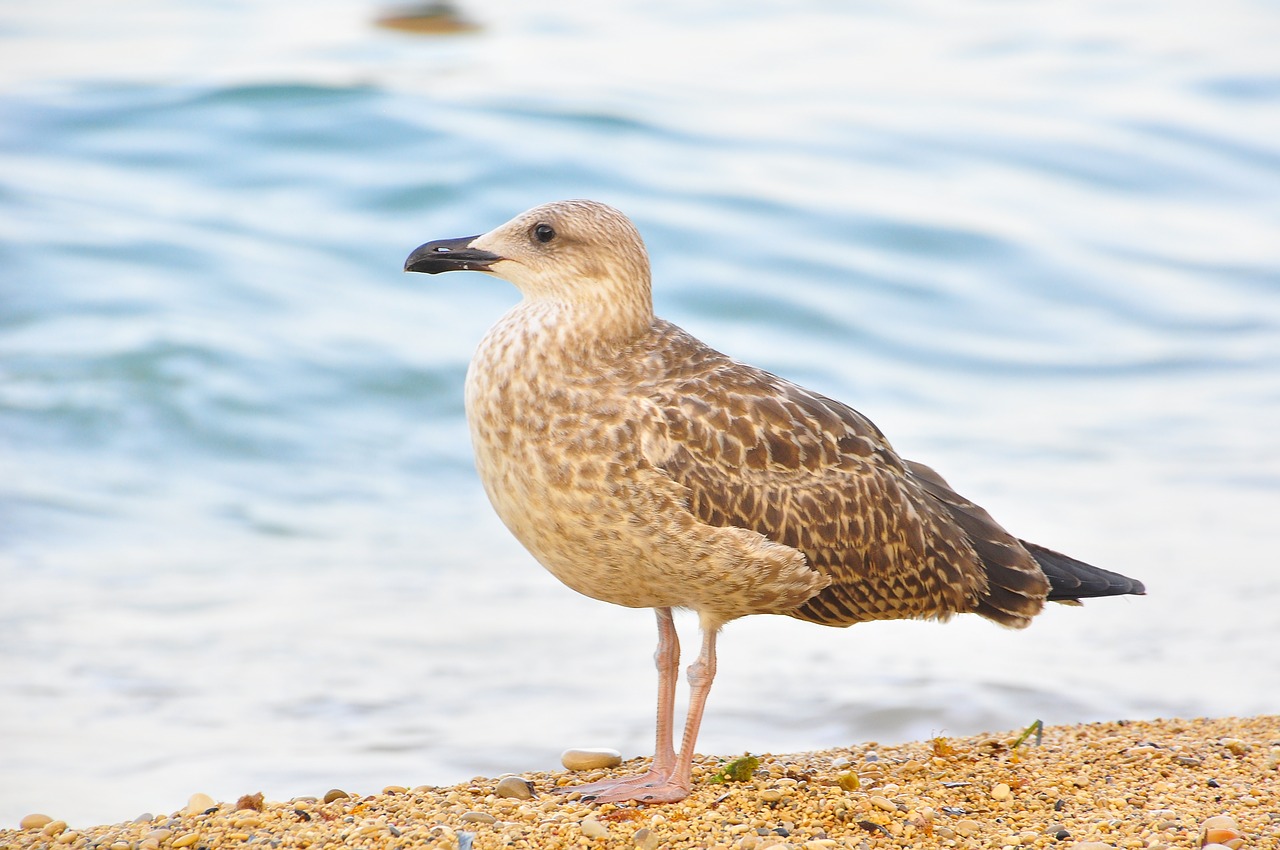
(1140, 784)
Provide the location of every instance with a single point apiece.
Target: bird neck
(607, 318)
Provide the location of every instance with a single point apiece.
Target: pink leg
(667, 659)
(676, 785)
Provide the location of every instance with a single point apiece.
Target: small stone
(646, 839)
(186, 840)
(1221, 829)
(968, 828)
(199, 804)
(590, 758)
(771, 795)
(592, 828)
(1091, 845)
(35, 821)
(54, 827)
(336, 794)
(516, 787)
(159, 836)
(1001, 791)
(478, 817)
(884, 803)
(944, 832)
(395, 789)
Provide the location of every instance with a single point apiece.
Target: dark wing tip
(1070, 579)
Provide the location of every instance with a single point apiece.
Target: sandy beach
(1139, 784)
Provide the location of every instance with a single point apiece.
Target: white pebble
(592, 828)
(200, 803)
(1001, 791)
(884, 803)
(590, 758)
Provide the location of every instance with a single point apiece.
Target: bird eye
(544, 232)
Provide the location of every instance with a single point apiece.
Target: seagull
(644, 468)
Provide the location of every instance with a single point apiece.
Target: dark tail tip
(1072, 580)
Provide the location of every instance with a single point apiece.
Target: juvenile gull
(643, 468)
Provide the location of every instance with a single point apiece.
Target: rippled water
(241, 544)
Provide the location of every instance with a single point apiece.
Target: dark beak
(447, 255)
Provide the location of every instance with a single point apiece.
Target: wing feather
(758, 452)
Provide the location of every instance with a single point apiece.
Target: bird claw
(592, 790)
(665, 792)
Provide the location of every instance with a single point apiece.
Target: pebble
(54, 827)
(1221, 829)
(884, 803)
(336, 794)
(590, 758)
(35, 821)
(592, 828)
(968, 828)
(516, 787)
(478, 817)
(1001, 791)
(646, 839)
(200, 803)
(186, 840)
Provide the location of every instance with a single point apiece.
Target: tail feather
(1071, 580)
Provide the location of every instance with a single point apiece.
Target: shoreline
(1133, 784)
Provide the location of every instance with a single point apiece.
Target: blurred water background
(242, 546)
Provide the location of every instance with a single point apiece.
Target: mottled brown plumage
(643, 468)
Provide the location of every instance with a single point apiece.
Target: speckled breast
(555, 456)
